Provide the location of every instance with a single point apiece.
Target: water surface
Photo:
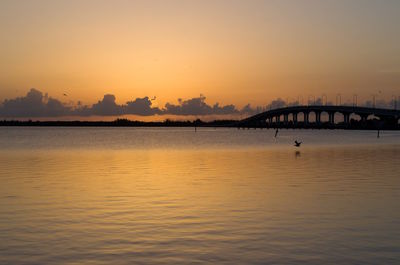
(175, 196)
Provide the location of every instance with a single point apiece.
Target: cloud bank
(35, 104)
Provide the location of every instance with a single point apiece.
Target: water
(173, 196)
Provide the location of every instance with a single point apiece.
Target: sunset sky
(232, 52)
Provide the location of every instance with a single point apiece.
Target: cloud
(381, 103)
(141, 106)
(277, 103)
(34, 104)
(198, 106)
(107, 106)
(37, 104)
(249, 110)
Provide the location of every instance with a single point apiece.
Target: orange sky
(233, 52)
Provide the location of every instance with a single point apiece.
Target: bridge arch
(373, 117)
(292, 116)
(338, 117)
(300, 116)
(324, 116)
(312, 116)
(355, 116)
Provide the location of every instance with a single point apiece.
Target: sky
(234, 53)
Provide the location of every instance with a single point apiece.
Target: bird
(65, 95)
(297, 144)
(154, 98)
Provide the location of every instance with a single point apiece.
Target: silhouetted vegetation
(121, 123)
(353, 125)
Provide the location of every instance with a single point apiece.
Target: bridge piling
(331, 118)
(294, 118)
(306, 118)
(318, 117)
(346, 118)
(286, 119)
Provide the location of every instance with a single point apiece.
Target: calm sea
(216, 196)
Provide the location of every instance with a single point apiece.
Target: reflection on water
(223, 203)
(181, 138)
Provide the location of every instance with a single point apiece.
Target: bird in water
(297, 144)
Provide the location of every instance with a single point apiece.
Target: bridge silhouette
(324, 117)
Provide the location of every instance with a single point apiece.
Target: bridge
(324, 117)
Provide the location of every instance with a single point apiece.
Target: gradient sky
(233, 52)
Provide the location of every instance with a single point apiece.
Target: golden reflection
(163, 203)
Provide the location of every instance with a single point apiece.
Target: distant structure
(288, 118)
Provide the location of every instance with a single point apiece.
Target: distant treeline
(353, 125)
(122, 123)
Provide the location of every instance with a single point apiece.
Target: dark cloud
(106, 107)
(227, 109)
(249, 110)
(141, 106)
(198, 106)
(34, 104)
(276, 104)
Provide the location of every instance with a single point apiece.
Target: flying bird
(154, 98)
(65, 95)
(297, 144)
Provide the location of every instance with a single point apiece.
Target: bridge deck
(387, 117)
